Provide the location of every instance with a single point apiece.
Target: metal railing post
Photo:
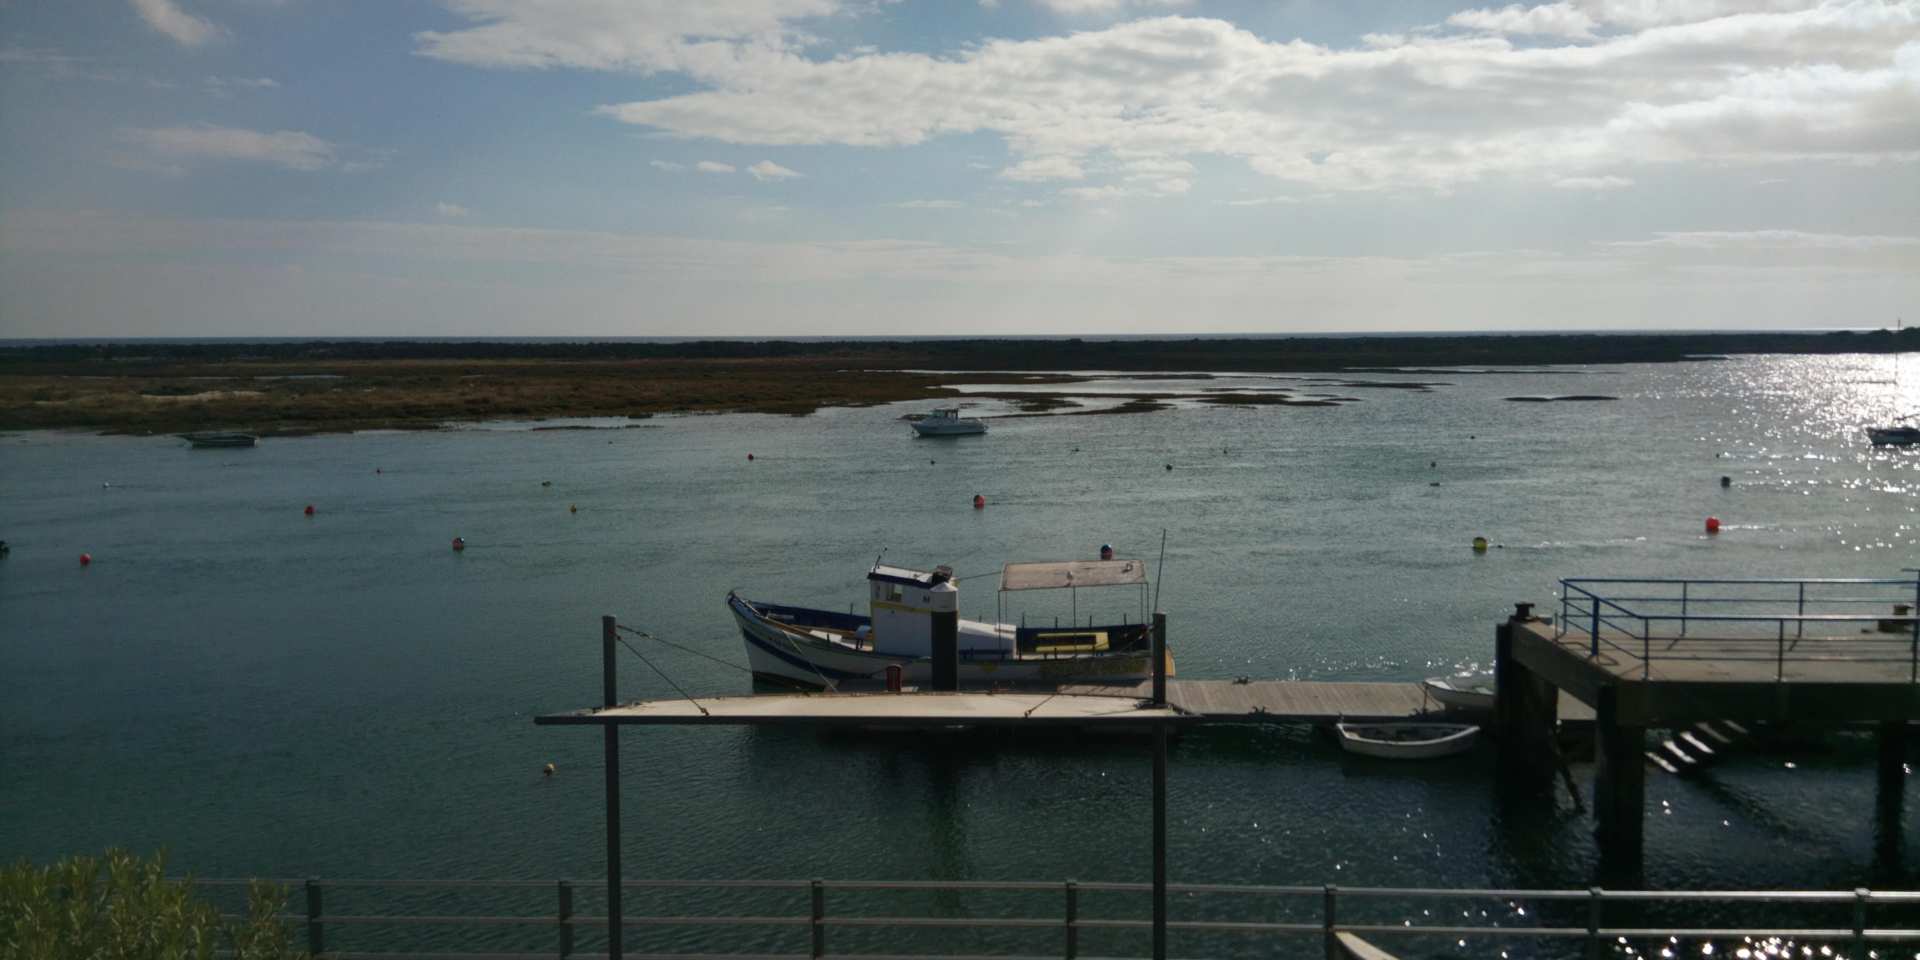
(1780, 654)
(1646, 648)
(316, 932)
(1594, 648)
(1860, 921)
(1683, 607)
(1327, 915)
(1073, 920)
(1800, 627)
(1596, 949)
(817, 922)
(565, 917)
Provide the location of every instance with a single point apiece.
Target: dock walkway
(1297, 701)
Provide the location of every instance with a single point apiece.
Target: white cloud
(643, 35)
(1035, 169)
(183, 146)
(667, 165)
(1592, 183)
(1554, 19)
(1688, 82)
(185, 28)
(225, 84)
(1770, 240)
(930, 205)
(768, 170)
(714, 166)
(1082, 7)
(450, 210)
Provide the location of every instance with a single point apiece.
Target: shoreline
(310, 387)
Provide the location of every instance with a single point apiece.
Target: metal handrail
(1597, 933)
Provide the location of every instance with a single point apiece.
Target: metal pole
(566, 919)
(1159, 659)
(1683, 607)
(316, 933)
(1073, 920)
(817, 918)
(1593, 649)
(616, 949)
(1596, 950)
(1331, 942)
(1800, 628)
(1860, 921)
(1160, 840)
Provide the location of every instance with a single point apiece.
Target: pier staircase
(1692, 749)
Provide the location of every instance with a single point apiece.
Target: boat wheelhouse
(823, 648)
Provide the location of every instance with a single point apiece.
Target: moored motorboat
(821, 648)
(220, 439)
(947, 422)
(1407, 741)
(1461, 692)
(1893, 436)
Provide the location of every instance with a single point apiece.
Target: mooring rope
(698, 653)
(663, 676)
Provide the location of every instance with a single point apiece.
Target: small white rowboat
(1461, 693)
(1407, 741)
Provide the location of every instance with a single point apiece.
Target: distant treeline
(1278, 353)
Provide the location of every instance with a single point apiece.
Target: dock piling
(946, 650)
(1526, 706)
(616, 922)
(565, 918)
(1619, 786)
(316, 931)
(1159, 659)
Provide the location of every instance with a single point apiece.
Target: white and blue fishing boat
(947, 422)
(821, 648)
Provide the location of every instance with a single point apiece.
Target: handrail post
(1684, 584)
(1860, 921)
(1073, 920)
(1800, 627)
(817, 918)
(316, 932)
(565, 917)
(1595, 948)
(1327, 915)
(1780, 654)
(1646, 648)
(1594, 632)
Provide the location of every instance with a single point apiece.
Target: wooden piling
(1159, 658)
(1619, 787)
(946, 650)
(1526, 710)
(616, 922)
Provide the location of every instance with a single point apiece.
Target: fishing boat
(1462, 692)
(947, 422)
(1407, 741)
(1897, 435)
(220, 439)
(809, 647)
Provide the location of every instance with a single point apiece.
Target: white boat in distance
(1463, 692)
(947, 422)
(821, 648)
(1407, 741)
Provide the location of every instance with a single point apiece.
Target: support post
(1159, 659)
(316, 930)
(1526, 708)
(1890, 740)
(1596, 902)
(566, 919)
(1073, 920)
(1619, 787)
(616, 920)
(946, 649)
(1160, 840)
(817, 918)
(1329, 940)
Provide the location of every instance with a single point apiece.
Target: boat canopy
(1072, 574)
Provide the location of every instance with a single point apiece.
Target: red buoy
(309, 509)
(1713, 524)
(86, 558)
(749, 456)
(459, 543)
(979, 502)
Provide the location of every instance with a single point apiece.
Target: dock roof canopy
(1060, 575)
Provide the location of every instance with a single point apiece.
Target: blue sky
(814, 167)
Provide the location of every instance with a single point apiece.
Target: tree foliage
(123, 907)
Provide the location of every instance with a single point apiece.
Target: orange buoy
(309, 509)
(979, 502)
(459, 543)
(1713, 524)
(86, 558)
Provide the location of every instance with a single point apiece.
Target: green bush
(121, 907)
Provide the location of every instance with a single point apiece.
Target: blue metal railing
(1748, 619)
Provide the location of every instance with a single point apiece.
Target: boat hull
(219, 439)
(1406, 741)
(960, 428)
(796, 656)
(1458, 696)
(1894, 436)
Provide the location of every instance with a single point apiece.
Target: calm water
(265, 693)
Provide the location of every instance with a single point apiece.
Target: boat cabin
(903, 600)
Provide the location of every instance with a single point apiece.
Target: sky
(959, 167)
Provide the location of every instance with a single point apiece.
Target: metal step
(1661, 762)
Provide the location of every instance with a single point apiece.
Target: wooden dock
(1298, 701)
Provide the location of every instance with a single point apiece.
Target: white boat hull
(948, 428)
(794, 655)
(1406, 741)
(1460, 694)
